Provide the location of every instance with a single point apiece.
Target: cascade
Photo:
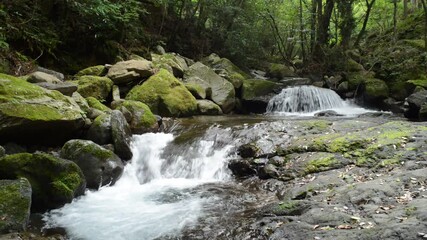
(154, 197)
(305, 99)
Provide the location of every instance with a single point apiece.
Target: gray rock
(413, 104)
(100, 130)
(58, 75)
(159, 50)
(207, 107)
(15, 203)
(128, 71)
(116, 93)
(66, 88)
(223, 92)
(41, 77)
(121, 135)
(99, 165)
(2, 151)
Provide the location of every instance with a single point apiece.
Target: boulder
(222, 91)
(279, 71)
(31, 114)
(94, 103)
(99, 165)
(54, 181)
(94, 86)
(15, 203)
(165, 95)
(174, 63)
(414, 103)
(121, 134)
(100, 130)
(2, 151)
(142, 120)
(375, 90)
(353, 66)
(99, 70)
(207, 107)
(58, 75)
(226, 69)
(128, 71)
(81, 101)
(66, 88)
(41, 77)
(423, 112)
(256, 93)
(198, 91)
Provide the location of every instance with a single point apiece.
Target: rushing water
(309, 100)
(154, 198)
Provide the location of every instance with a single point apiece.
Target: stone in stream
(256, 93)
(15, 203)
(121, 135)
(94, 86)
(140, 117)
(54, 181)
(99, 165)
(100, 130)
(207, 107)
(414, 103)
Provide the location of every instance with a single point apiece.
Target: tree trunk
(423, 2)
(324, 20)
(345, 7)
(301, 31)
(369, 6)
(395, 21)
(313, 26)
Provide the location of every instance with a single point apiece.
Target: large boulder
(31, 114)
(100, 130)
(128, 71)
(121, 134)
(99, 165)
(226, 69)
(41, 77)
(165, 95)
(66, 88)
(54, 181)
(174, 63)
(414, 103)
(222, 91)
(279, 71)
(15, 203)
(142, 120)
(99, 70)
(256, 93)
(375, 90)
(94, 86)
(207, 107)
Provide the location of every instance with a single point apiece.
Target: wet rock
(268, 171)
(141, 119)
(121, 135)
(99, 165)
(207, 107)
(256, 94)
(328, 113)
(241, 168)
(54, 181)
(414, 103)
(15, 203)
(100, 130)
(248, 150)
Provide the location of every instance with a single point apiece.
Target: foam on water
(153, 198)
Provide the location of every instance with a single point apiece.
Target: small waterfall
(305, 99)
(155, 196)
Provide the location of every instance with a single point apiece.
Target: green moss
(375, 88)
(165, 95)
(31, 112)
(14, 204)
(289, 205)
(416, 43)
(94, 86)
(321, 164)
(253, 88)
(197, 90)
(419, 82)
(99, 70)
(94, 103)
(142, 117)
(319, 125)
(353, 66)
(279, 71)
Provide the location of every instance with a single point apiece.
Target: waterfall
(155, 196)
(304, 99)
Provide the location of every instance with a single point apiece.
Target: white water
(309, 100)
(153, 198)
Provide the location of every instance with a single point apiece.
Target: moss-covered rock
(99, 70)
(94, 86)
(375, 89)
(198, 91)
(95, 103)
(165, 95)
(54, 181)
(121, 135)
(99, 165)
(418, 83)
(28, 112)
(279, 71)
(253, 88)
(127, 71)
(15, 203)
(353, 66)
(207, 107)
(142, 119)
(226, 69)
(100, 130)
(171, 62)
(218, 89)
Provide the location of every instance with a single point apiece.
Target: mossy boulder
(375, 90)
(31, 114)
(100, 130)
(226, 69)
(207, 107)
(127, 71)
(54, 181)
(95, 103)
(198, 91)
(94, 86)
(256, 94)
(15, 203)
(99, 165)
(222, 91)
(99, 70)
(171, 62)
(165, 95)
(142, 120)
(279, 71)
(353, 66)
(418, 83)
